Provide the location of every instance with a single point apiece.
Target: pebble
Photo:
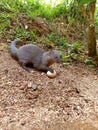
(22, 87)
(39, 87)
(29, 96)
(35, 87)
(60, 81)
(8, 40)
(42, 73)
(23, 122)
(30, 84)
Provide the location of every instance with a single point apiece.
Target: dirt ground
(32, 101)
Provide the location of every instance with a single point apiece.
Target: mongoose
(33, 54)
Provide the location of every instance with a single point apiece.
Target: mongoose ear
(51, 52)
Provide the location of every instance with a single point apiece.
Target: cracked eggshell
(51, 75)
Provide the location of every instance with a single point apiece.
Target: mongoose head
(55, 56)
(51, 57)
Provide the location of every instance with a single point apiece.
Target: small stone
(22, 87)
(25, 83)
(39, 87)
(29, 96)
(26, 26)
(29, 84)
(42, 73)
(8, 40)
(96, 72)
(32, 71)
(34, 87)
(95, 78)
(60, 81)
(17, 84)
(23, 122)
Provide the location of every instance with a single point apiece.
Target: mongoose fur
(31, 53)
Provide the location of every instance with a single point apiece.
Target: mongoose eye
(56, 57)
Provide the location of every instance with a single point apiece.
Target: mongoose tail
(13, 47)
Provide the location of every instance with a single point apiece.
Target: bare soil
(32, 101)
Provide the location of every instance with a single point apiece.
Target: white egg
(51, 75)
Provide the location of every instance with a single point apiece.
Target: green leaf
(88, 61)
(5, 47)
(85, 1)
(65, 57)
(73, 55)
(66, 63)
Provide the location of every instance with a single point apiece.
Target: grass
(32, 8)
(10, 11)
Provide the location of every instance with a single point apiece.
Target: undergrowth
(34, 8)
(12, 10)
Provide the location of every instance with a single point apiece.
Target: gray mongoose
(31, 53)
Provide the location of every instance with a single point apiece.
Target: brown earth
(32, 101)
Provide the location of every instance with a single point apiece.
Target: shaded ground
(67, 102)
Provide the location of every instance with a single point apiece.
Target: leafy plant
(59, 40)
(75, 47)
(84, 1)
(88, 61)
(5, 47)
(73, 55)
(66, 63)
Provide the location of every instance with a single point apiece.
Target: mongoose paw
(26, 68)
